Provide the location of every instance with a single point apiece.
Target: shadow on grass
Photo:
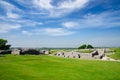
(2, 55)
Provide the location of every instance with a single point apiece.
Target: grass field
(116, 55)
(53, 51)
(84, 51)
(55, 68)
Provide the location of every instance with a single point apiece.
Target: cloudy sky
(60, 23)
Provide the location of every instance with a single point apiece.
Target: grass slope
(55, 68)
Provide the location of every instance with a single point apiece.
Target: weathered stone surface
(15, 52)
(30, 51)
(44, 51)
(23, 51)
(97, 54)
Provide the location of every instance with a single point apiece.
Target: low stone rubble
(97, 54)
(23, 51)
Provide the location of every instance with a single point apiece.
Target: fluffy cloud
(13, 15)
(49, 9)
(67, 7)
(72, 4)
(105, 19)
(69, 25)
(102, 20)
(27, 33)
(8, 6)
(42, 8)
(49, 32)
(43, 4)
(66, 4)
(6, 27)
(10, 9)
(57, 32)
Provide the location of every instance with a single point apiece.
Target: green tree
(3, 45)
(90, 47)
(82, 46)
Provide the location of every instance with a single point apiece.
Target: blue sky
(60, 23)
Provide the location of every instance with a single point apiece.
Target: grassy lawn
(53, 51)
(59, 50)
(85, 51)
(116, 55)
(55, 68)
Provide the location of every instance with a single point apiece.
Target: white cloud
(46, 8)
(10, 10)
(49, 32)
(6, 27)
(73, 25)
(67, 4)
(43, 3)
(13, 18)
(62, 8)
(105, 19)
(13, 15)
(26, 33)
(28, 23)
(57, 32)
(72, 4)
(9, 7)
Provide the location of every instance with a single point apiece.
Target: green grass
(53, 51)
(55, 68)
(116, 55)
(85, 51)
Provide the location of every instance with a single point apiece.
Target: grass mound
(55, 68)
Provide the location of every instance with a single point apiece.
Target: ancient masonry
(97, 54)
(28, 51)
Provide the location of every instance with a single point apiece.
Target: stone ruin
(44, 51)
(23, 51)
(97, 54)
(15, 52)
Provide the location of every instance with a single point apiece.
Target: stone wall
(23, 51)
(97, 54)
